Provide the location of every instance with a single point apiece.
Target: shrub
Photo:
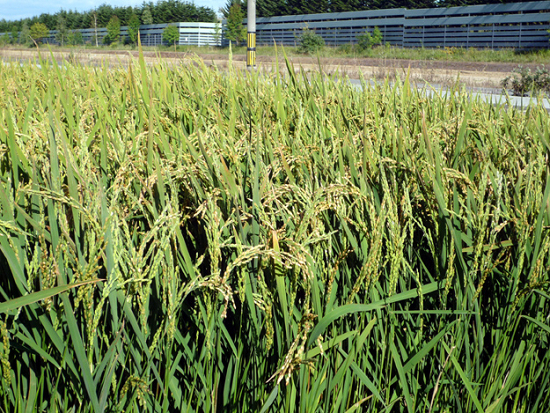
(310, 42)
(345, 48)
(366, 40)
(523, 81)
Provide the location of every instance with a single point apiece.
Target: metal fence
(517, 25)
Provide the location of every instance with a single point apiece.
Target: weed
(523, 81)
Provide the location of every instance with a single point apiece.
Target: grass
(457, 54)
(268, 243)
(453, 54)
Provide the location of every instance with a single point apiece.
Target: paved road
(494, 98)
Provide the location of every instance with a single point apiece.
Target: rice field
(190, 240)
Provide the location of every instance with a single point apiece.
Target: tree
(48, 20)
(62, 31)
(235, 30)
(5, 39)
(217, 33)
(269, 8)
(133, 28)
(147, 17)
(161, 11)
(38, 31)
(113, 30)
(105, 12)
(75, 37)
(225, 9)
(25, 35)
(14, 35)
(171, 35)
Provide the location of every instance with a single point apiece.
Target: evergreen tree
(163, 11)
(225, 9)
(125, 14)
(269, 8)
(168, 11)
(48, 20)
(14, 34)
(81, 21)
(62, 30)
(133, 28)
(217, 33)
(113, 30)
(104, 15)
(74, 19)
(319, 6)
(25, 35)
(266, 8)
(236, 32)
(146, 16)
(337, 6)
(300, 7)
(5, 39)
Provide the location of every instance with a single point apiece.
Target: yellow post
(251, 38)
(251, 50)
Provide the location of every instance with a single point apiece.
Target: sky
(19, 9)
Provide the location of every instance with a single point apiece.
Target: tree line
(173, 11)
(270, 8)
(163, 11)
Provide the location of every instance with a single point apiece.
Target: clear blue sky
(18, 9)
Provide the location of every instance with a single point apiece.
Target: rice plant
(185, 239)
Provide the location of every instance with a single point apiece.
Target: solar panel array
(513, 25)
(193, 34)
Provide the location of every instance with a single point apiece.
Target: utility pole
(251, 35)
(95, 28)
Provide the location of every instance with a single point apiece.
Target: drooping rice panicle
(373, 249)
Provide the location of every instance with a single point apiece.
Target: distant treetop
(163, 11)
(269, 8)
